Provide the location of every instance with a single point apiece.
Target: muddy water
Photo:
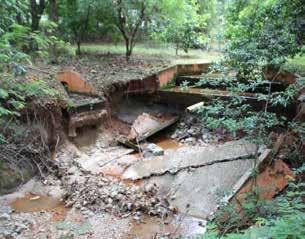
(166, 143)
(37, 203)
(175, 227)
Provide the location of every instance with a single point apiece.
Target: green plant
(183, 26)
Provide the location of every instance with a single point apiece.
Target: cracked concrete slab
(199, 192)
(186, 157)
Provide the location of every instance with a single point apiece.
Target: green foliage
(261, 33)
(59, 48)
(236, 115)
(18, 44)
(78, 17)
(179, 22)
(13, 94)
(11, 11)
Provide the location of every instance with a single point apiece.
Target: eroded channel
(147, 168)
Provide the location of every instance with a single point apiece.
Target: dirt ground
(101, 71)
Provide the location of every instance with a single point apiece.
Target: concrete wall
(167, 75)
(285, 77)
(75, 83)
(193, 69)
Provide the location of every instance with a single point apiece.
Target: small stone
(189, 140)
(4, 217)
(139, 214)
(129, 206)
(155, 149)
(301, 98)
(137, 218)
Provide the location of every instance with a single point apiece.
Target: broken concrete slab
(199, 192)
(240, 183)
(96, 162)
(186, 157)
(117, 167)
(147, 125)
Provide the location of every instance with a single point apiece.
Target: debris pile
(99, 194)
(12, 227)
(191, 131)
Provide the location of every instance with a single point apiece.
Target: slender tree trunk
(35, 23)
(53, 10)
(129, 43)
(81, 31)
(53, 18)
(37, 9)
(127, 49)
(129, 32)
(78, 51)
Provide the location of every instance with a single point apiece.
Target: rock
(301, 98)
(4, 217)
(72, 170)
(155, 149)
(189, 140)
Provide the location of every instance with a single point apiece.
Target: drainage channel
(96, 142)
(140, 141)
(142, 158)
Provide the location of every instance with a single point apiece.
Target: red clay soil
(269, 183)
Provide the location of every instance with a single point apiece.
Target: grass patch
(296, 64)
(162, 51)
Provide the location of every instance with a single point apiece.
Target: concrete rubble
(100, 194)
(191, 131)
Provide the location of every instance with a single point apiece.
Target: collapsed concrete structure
(195, 179)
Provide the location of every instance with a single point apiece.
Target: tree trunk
(129, 32)
(78, 51)
(128, 44)
(35, 23)
(37, 9)
(53, 18)
(53, 11)
(177, 49)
